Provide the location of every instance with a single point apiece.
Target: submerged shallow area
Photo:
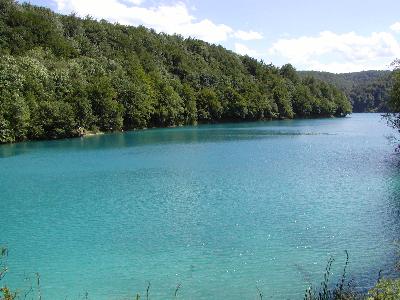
(220, 209)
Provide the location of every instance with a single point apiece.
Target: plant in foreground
(341, 291)
(385, 289)
(5, 292)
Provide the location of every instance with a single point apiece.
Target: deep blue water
(220, 209)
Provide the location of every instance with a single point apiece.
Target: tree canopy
(368, 91)
(393, 117)
(61, 76)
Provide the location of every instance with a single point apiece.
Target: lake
(219, 209)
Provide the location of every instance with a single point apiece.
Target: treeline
(62, 76)
(368, 91)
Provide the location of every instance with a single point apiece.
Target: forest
(368, 91)
(64, 76)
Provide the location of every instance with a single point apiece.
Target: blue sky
(335, 35)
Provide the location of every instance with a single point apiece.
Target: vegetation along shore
(62, 76)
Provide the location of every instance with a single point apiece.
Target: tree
(14, 111)
(282, 98)
(368, 91)
(208, 106)
(53, 119)
(189, 101)
(237, 104)
(289, 72)
(302, 101)
(393, 118)
(61, 76)
(169, 106)
(108, 112)
(394, 101)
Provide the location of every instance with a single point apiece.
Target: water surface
(219, 209)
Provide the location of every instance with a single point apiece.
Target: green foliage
(341, 291)
(61, 76)
(208, 105)
(108, 112)
(368, 91)
(393, 118)
(53, 119)
(189, 101)
(5, 292)
(394, 102)
(385, 289)
(289, 72)
(281, 96)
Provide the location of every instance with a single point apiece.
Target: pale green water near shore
(221, 209)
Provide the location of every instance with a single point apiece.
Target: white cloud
(339, 52)
(248, 35)
(244, 50)
(170, 19)
(343, 67)
(136, 2)
(325, 51)
(133, 2)
(395, 27)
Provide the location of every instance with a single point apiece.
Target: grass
(343, 290)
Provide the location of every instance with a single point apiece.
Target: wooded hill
(368, 91)
(62, 76)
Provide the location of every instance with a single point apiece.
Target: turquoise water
(219, 209)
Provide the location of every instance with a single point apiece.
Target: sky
(323, 35)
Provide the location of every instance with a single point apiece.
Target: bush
(385, 289)
(5, 292)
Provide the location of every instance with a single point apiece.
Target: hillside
(368, 91)
(63, 76)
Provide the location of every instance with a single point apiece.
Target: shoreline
(88, 134)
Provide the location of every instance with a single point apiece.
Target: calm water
(220, 209)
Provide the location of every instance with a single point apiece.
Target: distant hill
(368, 91)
